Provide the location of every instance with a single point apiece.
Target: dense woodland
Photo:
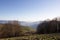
(51, 26)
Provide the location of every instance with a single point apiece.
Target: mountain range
(23, 23)
(30, 24)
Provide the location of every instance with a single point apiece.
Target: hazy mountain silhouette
(30, 24)
(23, 23)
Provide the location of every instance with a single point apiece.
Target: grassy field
(55, 36)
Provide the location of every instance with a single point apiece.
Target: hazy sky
(29, 10)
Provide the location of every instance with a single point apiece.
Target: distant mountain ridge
(23, 23)
(30, 24)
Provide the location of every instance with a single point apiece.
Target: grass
(53, 36)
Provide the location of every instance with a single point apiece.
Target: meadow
(54, 36)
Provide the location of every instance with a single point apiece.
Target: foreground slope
(54, 36)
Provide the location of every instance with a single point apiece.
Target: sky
(29, 10)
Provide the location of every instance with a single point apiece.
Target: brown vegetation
(14, 29)
(10, 30)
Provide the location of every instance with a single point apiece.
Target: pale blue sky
(29, 10)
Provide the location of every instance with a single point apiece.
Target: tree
(52, 26)
(10, 30)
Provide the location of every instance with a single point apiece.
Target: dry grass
(55, 36)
